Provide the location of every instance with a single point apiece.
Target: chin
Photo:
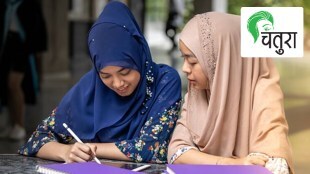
(199, 87)
(124, 94)
(196, 86)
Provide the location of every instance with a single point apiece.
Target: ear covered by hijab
(90, 108)
(244, 110)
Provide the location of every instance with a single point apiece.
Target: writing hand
(79, 152)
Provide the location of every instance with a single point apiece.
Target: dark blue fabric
(97, 113)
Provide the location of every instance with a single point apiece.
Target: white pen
(77, 139)
(141, 168)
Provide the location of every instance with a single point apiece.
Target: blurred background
(66, 58)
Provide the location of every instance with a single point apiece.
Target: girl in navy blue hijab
(125, 107)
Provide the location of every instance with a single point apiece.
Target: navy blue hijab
(91, 109)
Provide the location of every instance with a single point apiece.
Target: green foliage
(234, 6)
(157, 10)
(189, 10)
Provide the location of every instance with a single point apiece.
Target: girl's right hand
(255, 160)
(79, 152)
(251, 159)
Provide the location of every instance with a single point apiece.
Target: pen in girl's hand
(78, 139)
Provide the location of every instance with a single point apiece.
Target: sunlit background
(66, 59)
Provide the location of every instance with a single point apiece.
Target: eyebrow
(188, 55)
(122, 69)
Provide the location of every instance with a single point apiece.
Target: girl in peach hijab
(233, 111)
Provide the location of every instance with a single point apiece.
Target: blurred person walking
(22, 40)
(174, 20)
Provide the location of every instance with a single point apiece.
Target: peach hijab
(242, 112)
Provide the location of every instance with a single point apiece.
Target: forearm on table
(110, 151)
(194, 156)
(47, 151)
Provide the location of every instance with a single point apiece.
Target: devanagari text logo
(272, 32)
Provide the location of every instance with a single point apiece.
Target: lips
(190, 80)
(122, 90)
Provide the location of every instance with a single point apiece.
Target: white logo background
(285, 19)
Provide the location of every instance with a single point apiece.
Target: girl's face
(121, 80)
(192, 68)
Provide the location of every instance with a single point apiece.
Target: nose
(118, 82)
(186, 68)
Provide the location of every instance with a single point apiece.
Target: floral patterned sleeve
(180, 152)
(274, 164)
(152, 144)
(42, 135)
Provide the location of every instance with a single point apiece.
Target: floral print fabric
(153, 140)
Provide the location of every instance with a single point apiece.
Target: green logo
(259, 22)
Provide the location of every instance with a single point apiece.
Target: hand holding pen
(78, 139)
